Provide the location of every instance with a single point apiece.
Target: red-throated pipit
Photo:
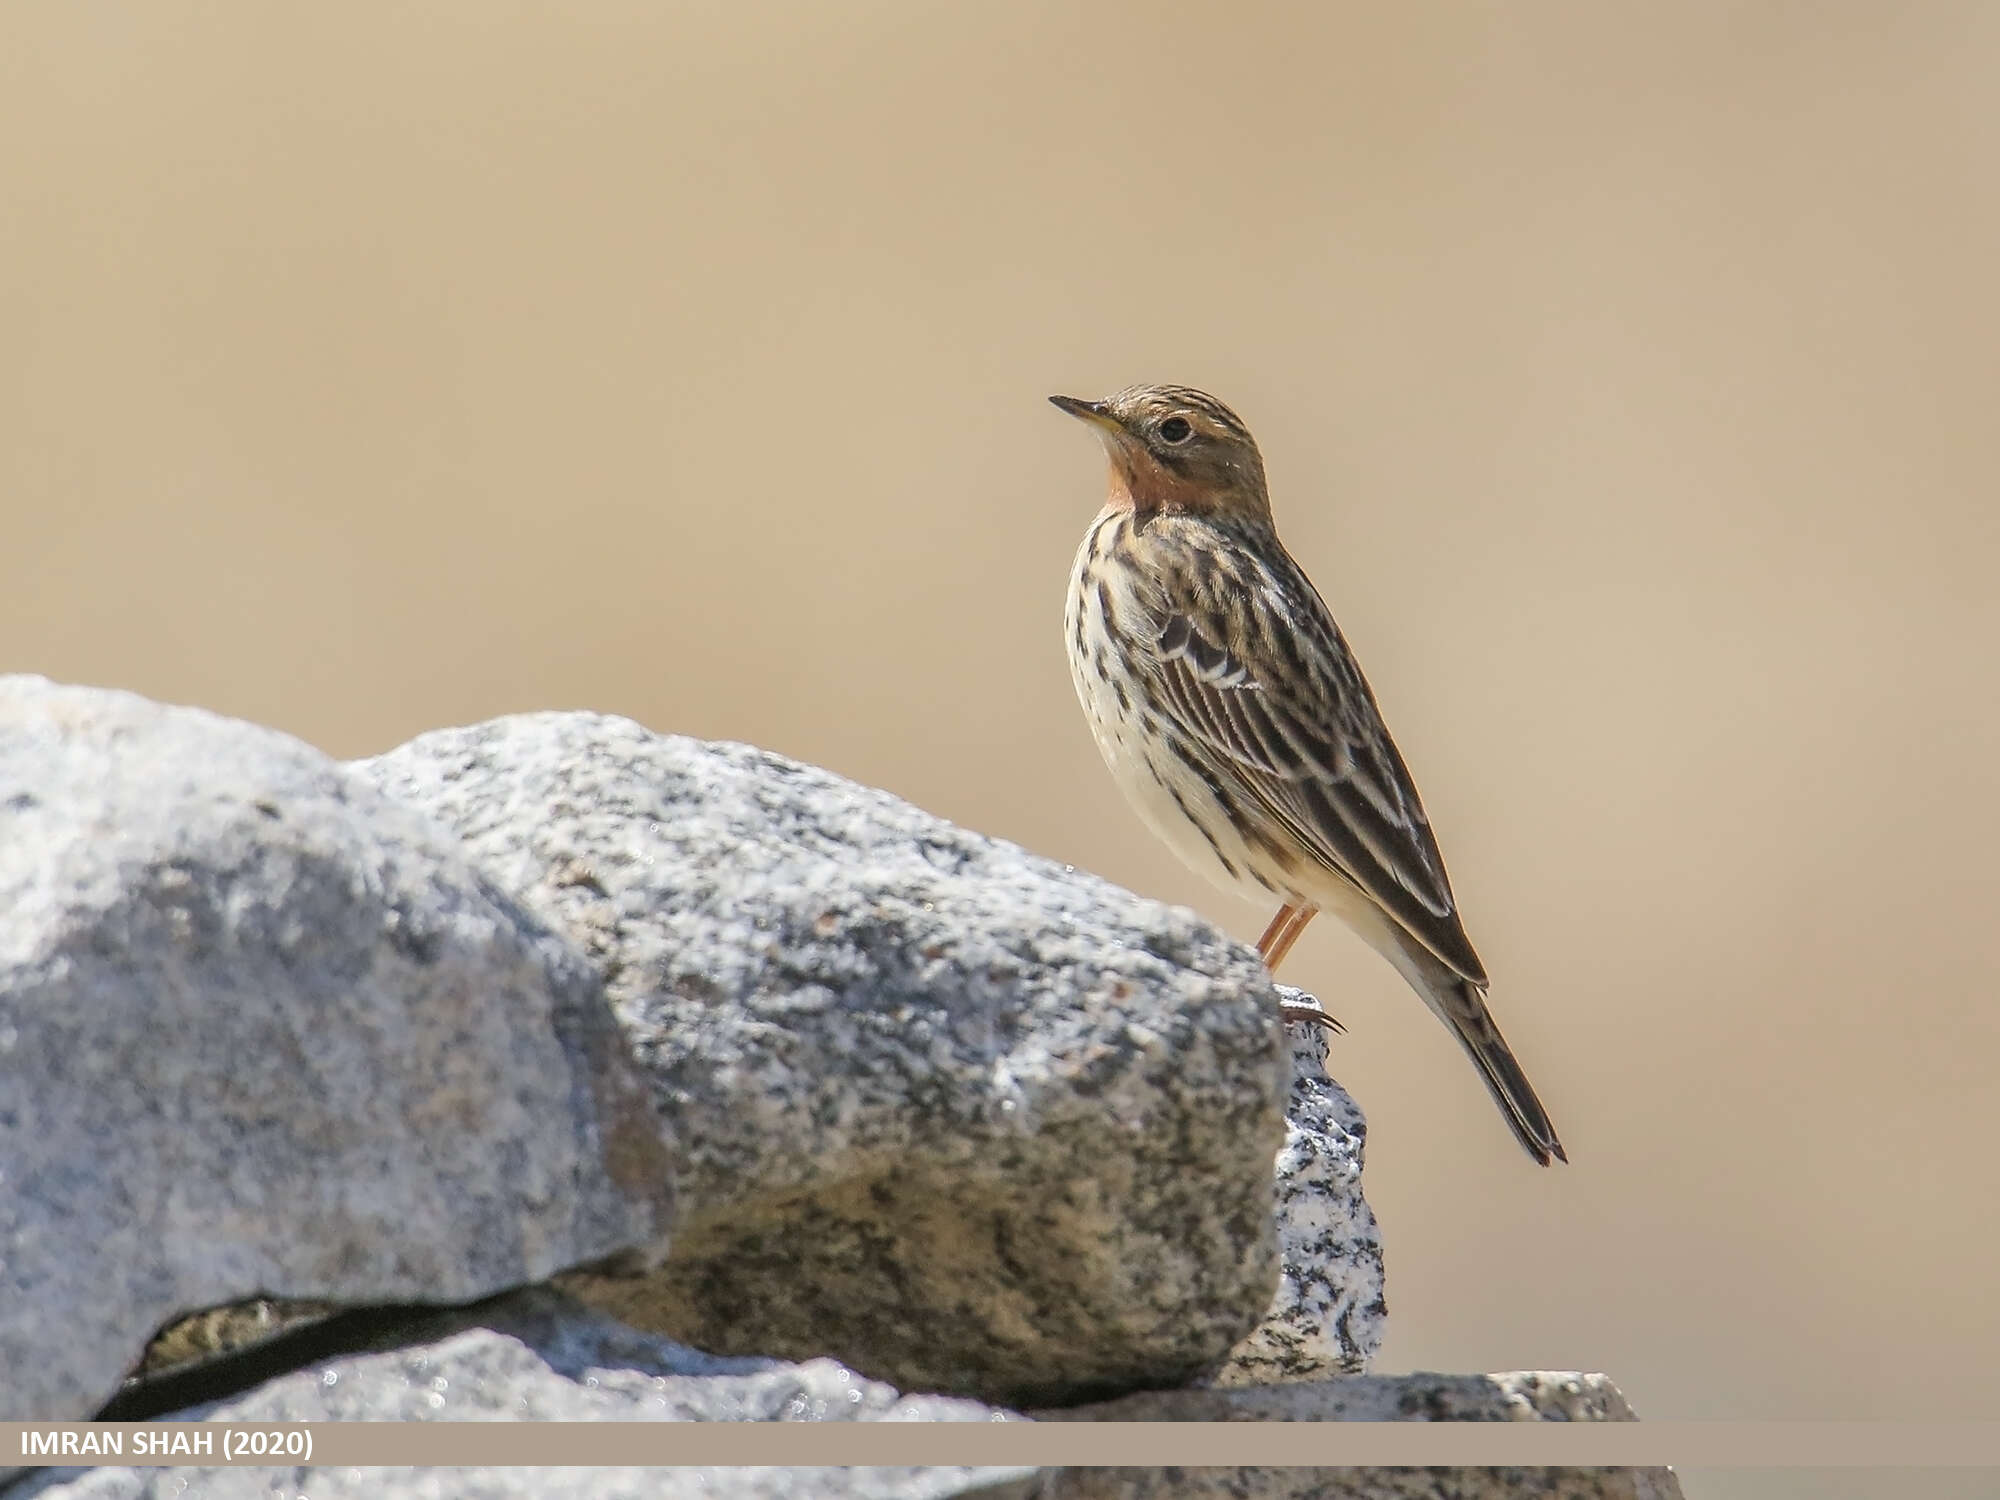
(1229, 709)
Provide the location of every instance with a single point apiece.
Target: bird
(1232, 714)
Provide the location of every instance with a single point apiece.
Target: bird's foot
(1309, 1013)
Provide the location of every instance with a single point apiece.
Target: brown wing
(1253, 665)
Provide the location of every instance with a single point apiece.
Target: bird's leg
(1282, 933)
(1276, 943)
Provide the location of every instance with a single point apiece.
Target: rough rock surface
(536, 1356)
(1357, 1484)
(947, 1111)
(609, 1482)
(540, 1356)
(1511, 1396)
(216, 1331)
(963, 1117)
(1328, 1316)
(262, 1031)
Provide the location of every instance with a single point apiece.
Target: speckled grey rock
(963, 1117)
(262, 1031)
(1328, 1316)
(609, 1482)
(1357, 1484)
(1511, 1396)
(536, 1356)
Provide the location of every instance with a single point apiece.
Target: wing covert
(1297, 727)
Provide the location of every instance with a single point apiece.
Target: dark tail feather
(1472, 1023)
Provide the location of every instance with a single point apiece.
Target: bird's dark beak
(1094, 412)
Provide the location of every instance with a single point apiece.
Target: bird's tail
(1472, 1023)
(1461, 1005)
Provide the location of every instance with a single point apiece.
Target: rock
(1357, 1484)
(264, 1032)
(540, 1356)
(448, 1482)
(1513, 1396)
(216, 1331)
(964, 1118)
(678, 1482)
(270, 1037)
(537, 1356)
(1328, 1316)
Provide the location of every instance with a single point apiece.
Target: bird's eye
(1176, 430)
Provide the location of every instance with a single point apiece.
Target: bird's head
(1173, 448)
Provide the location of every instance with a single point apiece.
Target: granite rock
(536, 1356)
(527, 1482)
(263, 1031)
(1511, 1396)
(1360, 1483)
(965, 1118)
(1328, 1316)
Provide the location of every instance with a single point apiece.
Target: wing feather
(1298, 728)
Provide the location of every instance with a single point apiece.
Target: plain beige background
(1627, 378)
